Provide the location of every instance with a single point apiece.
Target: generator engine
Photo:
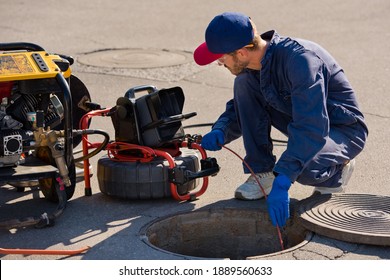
(18, 117)
(12, 145)
(41, 104)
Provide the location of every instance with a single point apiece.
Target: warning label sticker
(15, 64)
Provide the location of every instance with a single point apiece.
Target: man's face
(233, 63)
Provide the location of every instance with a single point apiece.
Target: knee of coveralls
(343, 144)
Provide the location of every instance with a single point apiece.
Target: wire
(5, 251)
(198, 125)
(99, 148)
(211, 124)
(45, 219)
(126, 152)
(250, 169)
(261, 187)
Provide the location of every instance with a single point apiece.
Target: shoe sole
(241, 197)
(345, 180)
(323, 190)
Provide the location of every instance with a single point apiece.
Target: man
(295, 86)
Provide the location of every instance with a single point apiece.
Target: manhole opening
(223, 233)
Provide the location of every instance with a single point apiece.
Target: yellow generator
(41, 105)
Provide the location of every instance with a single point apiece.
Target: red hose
(42, 251)
(140, 153)
(261, 187)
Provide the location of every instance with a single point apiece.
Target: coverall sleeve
(308, 77)
(228, 123)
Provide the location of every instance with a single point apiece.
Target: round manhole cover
(357, 218)
(135, 58)
(223, 233)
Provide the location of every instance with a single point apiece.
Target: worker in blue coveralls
(295, 86)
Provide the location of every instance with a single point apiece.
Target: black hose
(198, 125)
(211, 124)
(279, 141)
(45, 219)
(90, 132)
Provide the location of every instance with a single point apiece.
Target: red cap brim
(203, 56)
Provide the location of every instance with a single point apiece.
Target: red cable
(5, 251)
(261, 187)
(141, 153)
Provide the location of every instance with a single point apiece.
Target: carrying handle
(168, 120)
(209, 167)
(15, 46)
(20, 46)
(132, 91)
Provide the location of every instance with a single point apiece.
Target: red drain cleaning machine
(151, 156)
(45, 113)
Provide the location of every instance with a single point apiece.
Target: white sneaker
(346, 174)
(251, 190)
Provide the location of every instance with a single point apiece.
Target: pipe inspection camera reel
(152, 157)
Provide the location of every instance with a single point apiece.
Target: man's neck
(257, 56)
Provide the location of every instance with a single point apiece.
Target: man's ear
(242, 53)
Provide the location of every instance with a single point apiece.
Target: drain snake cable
(249, 168)
(262, 189)
(211, 124)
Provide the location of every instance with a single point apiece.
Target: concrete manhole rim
(169, 57)
(145, 239)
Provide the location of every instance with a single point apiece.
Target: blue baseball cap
(226, 33)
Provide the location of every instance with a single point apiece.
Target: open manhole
(223, 234)
(135, 58)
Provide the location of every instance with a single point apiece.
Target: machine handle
(67, 57)
(180, 175)
(20, 46)
(190, 175)
(131, 92)
(168, 120)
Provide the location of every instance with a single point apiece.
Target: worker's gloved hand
(278, 200)
(211, 140)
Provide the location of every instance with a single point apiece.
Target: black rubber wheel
(80, 95)
(136, 180)
(48, 185)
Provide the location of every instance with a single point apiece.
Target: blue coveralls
(303, 92)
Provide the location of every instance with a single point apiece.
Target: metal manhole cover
(356, 218)
(135, 58)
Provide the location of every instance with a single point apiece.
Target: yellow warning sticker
(15, 64)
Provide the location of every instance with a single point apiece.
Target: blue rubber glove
(278, 201)
(211, 140)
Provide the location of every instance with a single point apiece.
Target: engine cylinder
(12, 143)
